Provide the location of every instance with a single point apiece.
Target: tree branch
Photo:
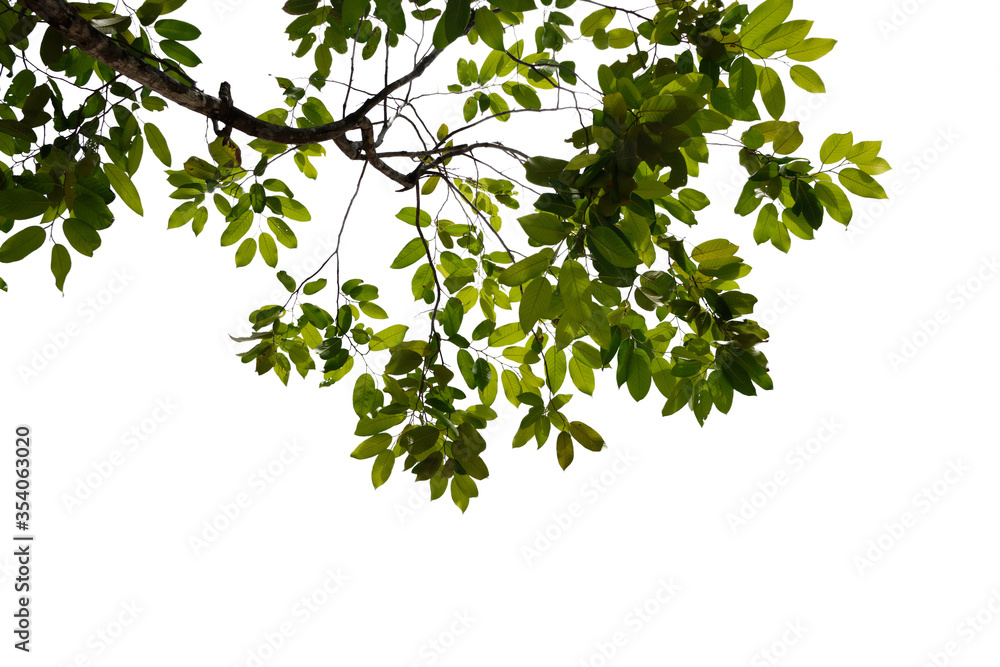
(78, 32)
(82, 35)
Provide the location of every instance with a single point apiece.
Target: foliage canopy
(596, 274)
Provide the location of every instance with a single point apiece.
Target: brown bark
(78, 32)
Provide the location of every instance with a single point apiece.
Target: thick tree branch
(88, 39)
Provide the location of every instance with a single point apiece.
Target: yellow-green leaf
(836, 147)
(861, 184)
(61, 264)
(246, 252)
(811, 49)
(22, 244)
(806, 79)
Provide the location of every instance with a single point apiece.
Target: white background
(632, 556)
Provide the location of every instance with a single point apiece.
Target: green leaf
(587, 354)
(679, 396)
(382, 468)
(724, 102)
(574, 288)
(694, 199)
(788, 138)
(373, 446)
(780, 238)
(649, 188)
(810, 49)
(174, 29)
(861, 184)
(458, 496)
(22, 244)
(269, 251)
(639, 375)
(721, 391)
(465, 365)
(282, 232)
(595, 21)
(621, 38)
(767, 221)
(373, 310)
(470, 109)
(521, 272)
(388, 337)
(506, 334)
(540, 170)
(299, 6)
(582, 376)
(613, 248)
(526, 96)
(544, 228)
(352, 11)
(51, 49)
(158, 143)
(365, 394)
(864, 152)
(411, 253)
(380, 422)
(534, 303)
(61, 264)
(286, 281)
(451, 316)
(783, 37)
(482, 373)
(797, 225)
(762, 20)
(499, 107)
(180, 53)
(391, 11)
(314, 286)
(489, 28)
(476, 467)
(123, 185)
(22, 204)
(81, 236)
(453, 22)
(419, 440)
(586, 436)
(564, 449)
(294, 210)
(112, 24)
(806, 79)
(836, 147)
(408, 214)
(246, 252)
(403, 361)
(743, 82)
(835, 201)
(233, 233)
(772, 91)
(714, 249)
(555, 368)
